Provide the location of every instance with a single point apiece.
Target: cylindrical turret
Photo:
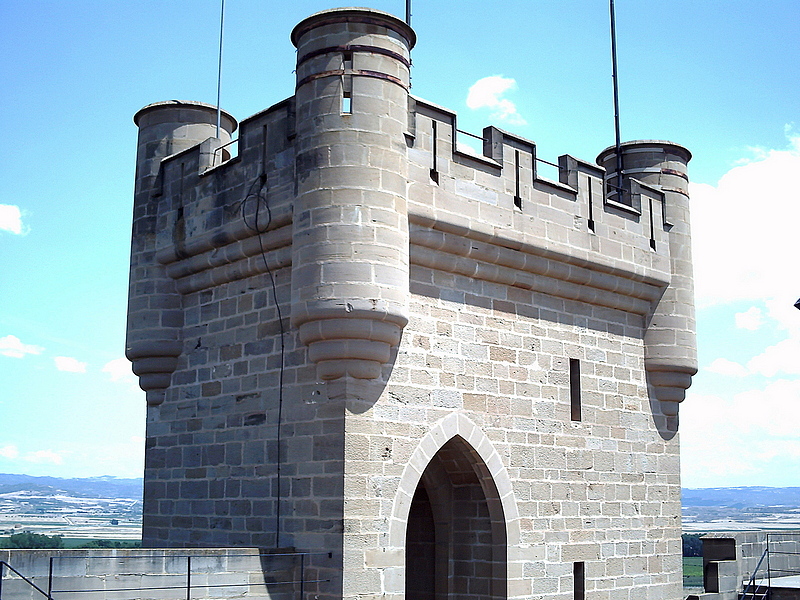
(169, 127)
(154, 306)
(350, 246)
(670, 345)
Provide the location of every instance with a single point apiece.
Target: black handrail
(188, 585)
(4, 564)
(751, 585)
(752, 582)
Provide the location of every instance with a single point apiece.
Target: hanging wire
(259, 192)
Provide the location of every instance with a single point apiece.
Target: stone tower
(350, 234)
(449, 375)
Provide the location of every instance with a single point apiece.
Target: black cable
(259, 197)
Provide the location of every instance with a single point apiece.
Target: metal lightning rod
(219, 69)
(616, 99)
(408, 13)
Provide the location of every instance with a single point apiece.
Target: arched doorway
(456, 535)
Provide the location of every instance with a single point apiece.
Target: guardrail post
(769, 571)
(302, 575)
(188, 578)
(50, 577)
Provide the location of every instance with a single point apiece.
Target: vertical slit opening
(652, 227)
(575, 389)
(347, 103)
(347, 60)
(578, 581)
(517, 197)
(434, 169)
(591, 205)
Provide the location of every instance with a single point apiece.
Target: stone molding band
(356, 72)
(206, 264)
(221, 236)
(675, 190)
(354, 48)
(442, 260)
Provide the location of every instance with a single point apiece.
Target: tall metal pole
(616, 99)
(219, 69)
(408, 13)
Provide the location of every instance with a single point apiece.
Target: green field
(71, 543)
(692, 571)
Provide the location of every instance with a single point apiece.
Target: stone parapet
(209, 573)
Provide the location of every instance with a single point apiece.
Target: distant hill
(90, 487)
(113, 487)
(741, 497)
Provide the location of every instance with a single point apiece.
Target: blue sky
(719, 78)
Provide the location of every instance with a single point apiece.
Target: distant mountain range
(741, 497)
(113, 487)
(91, 487)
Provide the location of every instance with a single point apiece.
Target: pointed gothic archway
(496, 488)
(456, 531)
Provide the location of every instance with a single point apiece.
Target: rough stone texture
(732, 558)
(209, 574)
(360, 342)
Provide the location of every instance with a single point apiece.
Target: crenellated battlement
(570, 238)
(483, 187)
(497, 198)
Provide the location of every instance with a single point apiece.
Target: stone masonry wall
(605, 490)
(350, 309)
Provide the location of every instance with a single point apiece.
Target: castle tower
(350, 243)
(154, 307)
(670, 341)
(441, 374)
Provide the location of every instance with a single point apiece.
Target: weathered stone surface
(357, 339)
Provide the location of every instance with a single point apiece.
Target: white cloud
(122, 457)
(69, 364)
(747, 439)
(119, 369)
(773, 410)
(745, 230)
(783, 357)
(12, 452)
(9, 451)
(488, 93)
(11, 219)
(751, 319)
(43, 456)
(723, 366)
(11, 345)
(467, 148)
(781, 448)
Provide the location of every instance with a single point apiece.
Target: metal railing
(219, 153)
(4, 565)
(184, 589)
(482, 139)
(750, 589)
(753, 588)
